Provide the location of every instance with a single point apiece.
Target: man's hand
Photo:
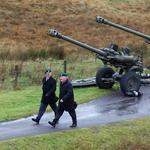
(46, 95)
(61, 100)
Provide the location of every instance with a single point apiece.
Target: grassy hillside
(24, 23)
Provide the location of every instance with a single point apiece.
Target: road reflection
(123, 107)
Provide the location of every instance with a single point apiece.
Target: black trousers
(43, 107)
(60, 112)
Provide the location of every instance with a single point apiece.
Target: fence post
(16, 76)
(65, 66)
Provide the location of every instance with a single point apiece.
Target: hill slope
(24, 23)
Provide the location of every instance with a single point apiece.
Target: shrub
(56, 52)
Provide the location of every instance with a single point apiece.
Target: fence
(20, 74)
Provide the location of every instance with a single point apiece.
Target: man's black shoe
(35, 120)
(52, 124)
(73, 126)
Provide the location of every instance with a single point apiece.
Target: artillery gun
(101, 20)
(129, 67)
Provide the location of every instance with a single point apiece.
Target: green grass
(128, 135)
(25, 102)
(31, 72)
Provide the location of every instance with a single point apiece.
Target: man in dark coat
(66, 101)
(48, 96)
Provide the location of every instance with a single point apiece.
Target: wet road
(100, 111)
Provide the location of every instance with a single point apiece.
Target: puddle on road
(124, 107)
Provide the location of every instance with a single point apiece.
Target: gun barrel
(107, 22)
(57, 34)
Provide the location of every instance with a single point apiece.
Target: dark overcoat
(49, 88)
(67, 95)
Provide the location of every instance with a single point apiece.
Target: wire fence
(20, 74)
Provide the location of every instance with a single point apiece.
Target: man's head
(114, 46)
(63, 77)
(48, 72)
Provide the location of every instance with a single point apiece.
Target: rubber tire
(130, 82)
(105, 72)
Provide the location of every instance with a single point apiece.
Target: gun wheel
(104, 78)
(130, 82)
